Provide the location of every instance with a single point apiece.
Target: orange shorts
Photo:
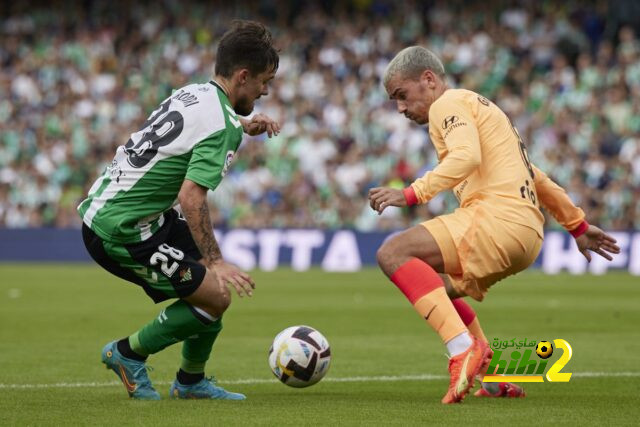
(479, 249)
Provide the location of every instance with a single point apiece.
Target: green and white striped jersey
(194, 134)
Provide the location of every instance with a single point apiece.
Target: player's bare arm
(193, 201)
(260, 123)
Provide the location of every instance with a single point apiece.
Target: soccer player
(496, 232)
(130, 227)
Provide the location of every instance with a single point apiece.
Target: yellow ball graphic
(544, 349)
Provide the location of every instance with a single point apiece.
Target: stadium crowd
(76, 81)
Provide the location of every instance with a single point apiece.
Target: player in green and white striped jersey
(132, 230)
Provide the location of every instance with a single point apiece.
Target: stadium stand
(75, 82)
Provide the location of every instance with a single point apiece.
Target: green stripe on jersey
(84, 206)
(132, 216)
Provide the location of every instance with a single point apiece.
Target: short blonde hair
(412, 61)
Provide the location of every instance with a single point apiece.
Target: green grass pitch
(388, 367)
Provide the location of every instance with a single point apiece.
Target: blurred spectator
(78, 78)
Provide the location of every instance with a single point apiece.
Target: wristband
(579, 230)
(410, 196)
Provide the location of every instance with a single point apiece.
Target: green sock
(196, 349)
(175, 323)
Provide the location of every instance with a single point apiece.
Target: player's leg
(492, 250)
(212, 298)
(190, 382)
(470, 319)
(131, 370)
(177, 275)
(195, 354)
(464, 310)
(412, 260)
(196, 319)
(176, 322)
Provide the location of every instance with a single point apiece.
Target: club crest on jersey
(227, 162)
(185, 275)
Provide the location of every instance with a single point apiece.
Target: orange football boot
(463, 369)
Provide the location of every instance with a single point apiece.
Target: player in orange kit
(496, 232)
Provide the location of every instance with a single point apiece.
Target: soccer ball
(544, 349)
(299, 356)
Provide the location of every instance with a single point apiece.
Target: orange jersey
(553, 198)
(483, 159)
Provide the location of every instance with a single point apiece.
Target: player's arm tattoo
(206, 241)
(196, 212)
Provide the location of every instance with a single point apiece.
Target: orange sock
(469, 318)
(424, 288)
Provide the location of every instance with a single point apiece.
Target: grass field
(388, 367)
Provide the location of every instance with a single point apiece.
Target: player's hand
(381, 197)
(260, 123)
(230, 274)
(597, 241)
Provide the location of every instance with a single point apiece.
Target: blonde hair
(412, 61)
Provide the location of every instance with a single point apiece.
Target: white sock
(459, 344)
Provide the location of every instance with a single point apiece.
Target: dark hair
(247, 44)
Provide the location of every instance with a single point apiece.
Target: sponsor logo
(130, 386)
(463, 381)
(448, 121)
(452, 127)
(115, 171)
(227, 162)
(429, 314)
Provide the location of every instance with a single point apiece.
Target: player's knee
(211, 296)
(384, 256)
(221, 302)
(224, 301)
(217, 306)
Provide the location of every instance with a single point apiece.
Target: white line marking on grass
(605, 374)
(382, 378)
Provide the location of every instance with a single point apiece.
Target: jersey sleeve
(453, 121)
(553, 198)
(207, 161)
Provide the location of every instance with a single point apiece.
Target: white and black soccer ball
(299, 356)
